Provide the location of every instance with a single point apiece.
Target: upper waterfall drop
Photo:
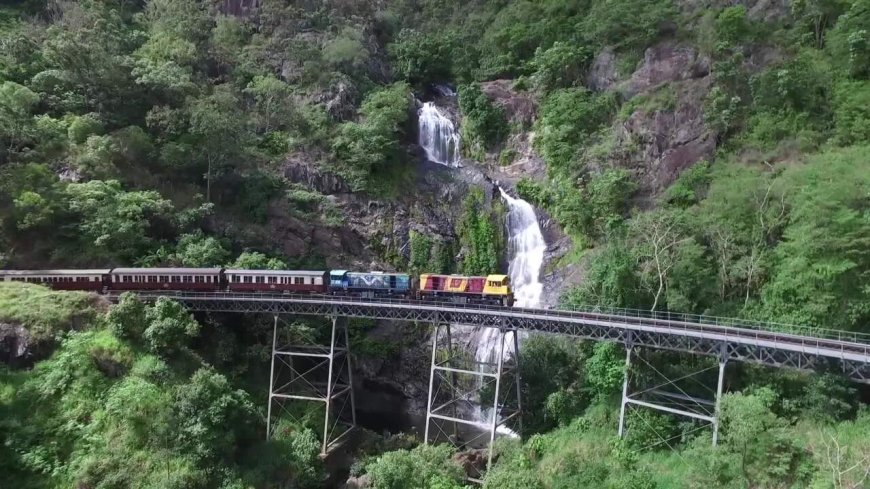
(438, 136)
(527, 248)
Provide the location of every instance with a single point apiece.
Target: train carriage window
(273, 280)
(235, 279)
(456, 282)
(126, 278)
(248, 279)
(152, 279)
(261, 280)
(298, 280)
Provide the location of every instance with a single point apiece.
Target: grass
(45, 312)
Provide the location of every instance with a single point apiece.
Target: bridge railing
(673, 321)
(725, 322)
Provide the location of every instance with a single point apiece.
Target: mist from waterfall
(438, 136)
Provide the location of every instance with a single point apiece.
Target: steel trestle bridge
(771, 344)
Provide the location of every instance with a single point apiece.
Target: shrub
(560, 66)
(373, 143)
(421, 58)
(852, 112)
(170, 326)
(483, 123)
(567, 119)
(627, 23)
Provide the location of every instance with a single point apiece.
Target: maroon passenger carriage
(196, 279)
(59, 279)
(290, 281)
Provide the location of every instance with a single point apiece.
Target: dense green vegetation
(156, 132)
(125, 401)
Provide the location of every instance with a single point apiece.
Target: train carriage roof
(91, 271)
(377, 274)
(280, 273)
(166, 271)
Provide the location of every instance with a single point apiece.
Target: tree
(424, 467)
(373, 143)
(816, 16)
(254, 260)
(215, 121)
(756, 435)
(568, 118)
(16, 120)
(822, 262)
(113, 220)
(659, 240)
(169, 327)
(561, 66)
(422, 58)
(197, 250)
(483, 123)
(273, 100)
(128, 318)
(204, 408)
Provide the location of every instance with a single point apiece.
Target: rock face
(519, 107)
(239, 7)
(603, 74)
(665, 63)
(660, 140)
(16, 348)
(668, 140)
(397, 384)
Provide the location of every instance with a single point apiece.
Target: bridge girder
(757, 346)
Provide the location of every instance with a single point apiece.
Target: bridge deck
(770, 344)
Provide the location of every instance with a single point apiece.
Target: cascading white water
(438, 136)
(526, 246)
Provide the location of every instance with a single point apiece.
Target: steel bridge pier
(315, 373)
(471, 400)
(672, 395)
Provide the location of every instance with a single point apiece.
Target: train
(460, 289)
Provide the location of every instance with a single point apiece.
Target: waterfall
(526, 247)
(438, 136)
